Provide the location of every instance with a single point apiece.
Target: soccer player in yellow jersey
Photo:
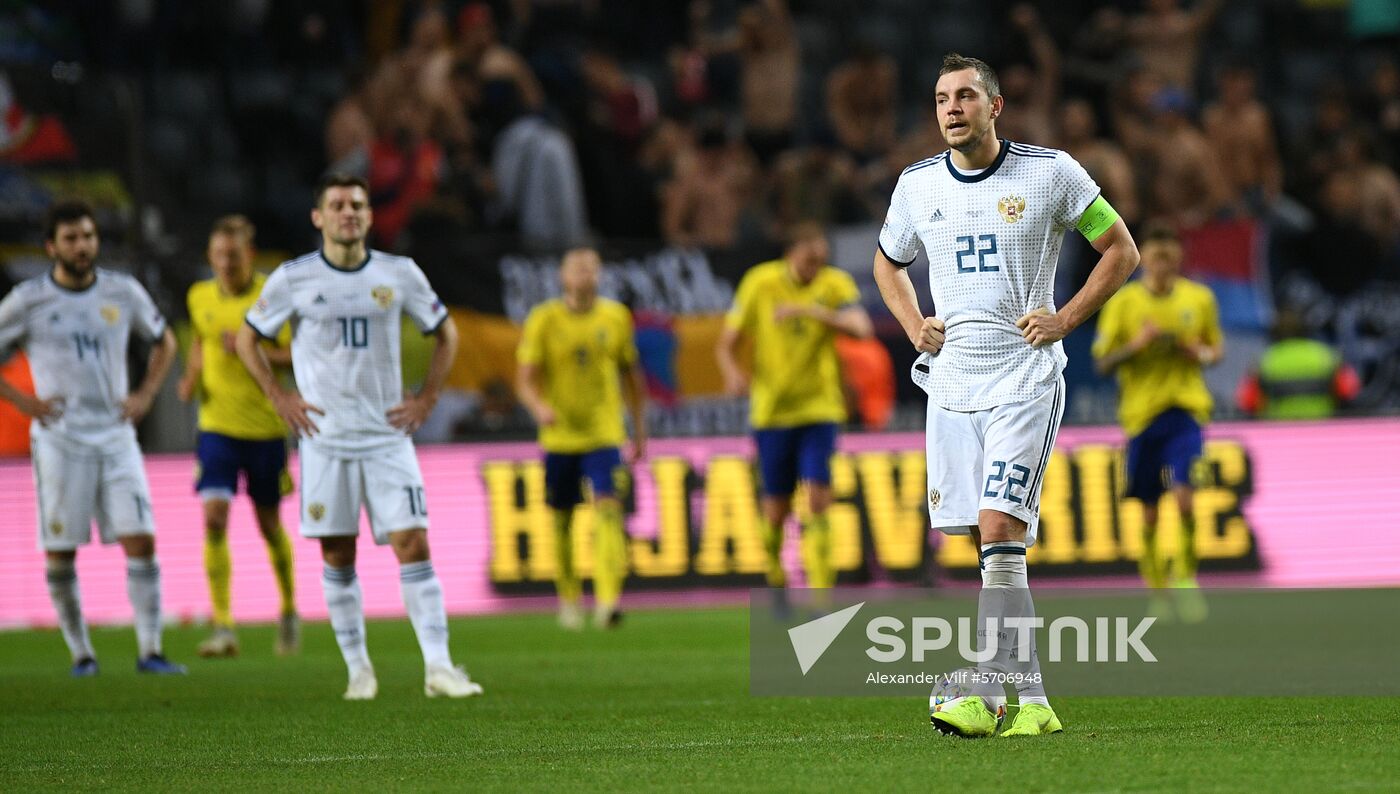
(577, 362)
(792, 308)
(1158, 333)
(239, 431)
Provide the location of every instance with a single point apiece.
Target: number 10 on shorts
(416, 505)
(1004, 479)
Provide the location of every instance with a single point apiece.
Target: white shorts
(389, 485)
(991, 460)
(78, 485)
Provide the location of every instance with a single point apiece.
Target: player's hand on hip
(930, 339)
(410, 414)
(296, 412)
(1042, 327)
(136, 406)
(45, 411)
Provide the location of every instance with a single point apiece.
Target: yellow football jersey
(230, 402)
(1161, 377)
(580, 356)
(796, 374)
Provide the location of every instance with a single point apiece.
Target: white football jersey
(992, 240)
(345, 340)
(76, 342)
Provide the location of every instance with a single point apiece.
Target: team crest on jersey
(934, 498)
(111, 313)
(316, 510)
(1011, 208)
(382, 295)
(56, 527)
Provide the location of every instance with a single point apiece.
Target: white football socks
(347, 613)
(1004, 571)
(143, 588)
(422, 597)
(67, 602)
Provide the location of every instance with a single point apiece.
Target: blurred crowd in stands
(712, 124)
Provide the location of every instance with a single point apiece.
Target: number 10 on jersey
(982, 246)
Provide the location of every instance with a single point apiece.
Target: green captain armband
(1096, 219)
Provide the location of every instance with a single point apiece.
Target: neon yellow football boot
(968, 718)
(1034, 719)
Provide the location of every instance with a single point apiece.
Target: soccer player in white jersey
(990, 214)
(74, 324)
(345, 302)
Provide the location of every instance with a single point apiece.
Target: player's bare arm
(1118, 259)
(925, 333)
(1111, 360)
(44, 410)
(527, 385)
(189, 381)
(295, 411)
(736, 380)
(138, 403)
(634, 391)
(851, 321)
(277, 355)
(410, 414)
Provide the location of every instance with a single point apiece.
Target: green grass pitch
(661, 704)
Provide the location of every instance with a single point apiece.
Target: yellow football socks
(566, 581)
(609, 552)
(279, 552)
(218, 566)
(816, 552)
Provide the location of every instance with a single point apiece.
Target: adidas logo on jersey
(937, 216)
(319, 298)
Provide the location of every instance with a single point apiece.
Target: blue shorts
(221, 458)
(564, 474)
(789, 454)
(1162, 455)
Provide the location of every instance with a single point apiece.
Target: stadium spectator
(1167, 38)
(1102, 158)
(1134, 117)
(706, 201)
(478, 44)
(771, 63)
(862, 103)
(1241, 131)
(816, 183)
(405, 169)
(1097, 57)
(1031, 89)
(1367, 190)
(350, 129)
(1381, 108)
(1297, 377)
(538, 187)
(1188, 184)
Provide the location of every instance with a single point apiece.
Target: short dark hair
(1159, 232)
(955, 62)
(235, 226)
(339, 179)
(65, 211)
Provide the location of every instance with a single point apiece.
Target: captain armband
(1097, 219)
